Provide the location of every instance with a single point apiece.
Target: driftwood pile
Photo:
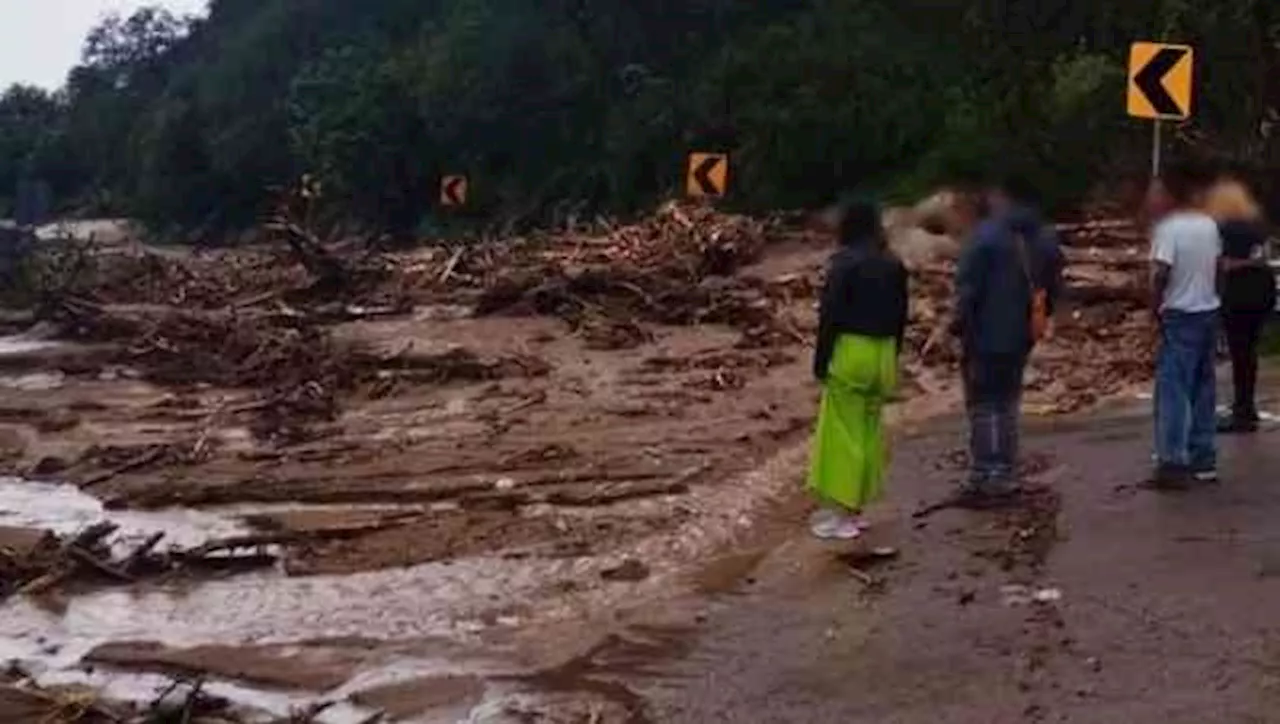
(1103, 339)
(89, 556)
(260, 318)
(676, 267)
(185, 701)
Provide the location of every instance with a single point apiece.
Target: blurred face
(998, 202)
(1199, 197)
(969, 209)
(1158, 202)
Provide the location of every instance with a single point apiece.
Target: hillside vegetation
(556, 108)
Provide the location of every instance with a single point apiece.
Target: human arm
(1053, 274)
(1159, 285)
(1163, 255)
(1231, 264)
(971, 272)
(826, 328)
(902, 292)
(1242, 246)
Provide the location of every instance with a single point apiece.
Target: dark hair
(1182, 181)
(860, 222)
(1019, 189)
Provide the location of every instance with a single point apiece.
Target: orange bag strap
(1025, 258)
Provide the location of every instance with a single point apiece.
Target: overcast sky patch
(40, 40)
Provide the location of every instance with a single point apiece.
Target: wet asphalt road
(1157, 607)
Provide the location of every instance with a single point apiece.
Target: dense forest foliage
(561, 107)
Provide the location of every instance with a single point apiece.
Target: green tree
(563, 107)
(29, 119)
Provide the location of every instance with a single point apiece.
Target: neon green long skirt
(848, 457)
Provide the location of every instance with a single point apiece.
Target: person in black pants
(1248, 295)
(1012, 256)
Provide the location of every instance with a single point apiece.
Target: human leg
(1175, 368)
(1241, 331)
(1008, 372)
(1201, 443)
(981, 409)
(848, 460)
(994, 409)
(1254, 324)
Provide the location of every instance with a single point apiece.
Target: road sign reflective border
(1160, 81)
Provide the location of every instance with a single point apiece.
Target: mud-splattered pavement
(1124, 606)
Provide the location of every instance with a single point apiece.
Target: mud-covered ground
(365, 464)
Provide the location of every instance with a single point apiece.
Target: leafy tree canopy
(561, 107)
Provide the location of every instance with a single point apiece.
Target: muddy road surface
(1094, 601)
(319, 479)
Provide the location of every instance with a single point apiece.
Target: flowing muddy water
(25, 344)
(426, 600)
(456, 620)
(480, 618)
(262, 703)
(447, 600)
(65, 509)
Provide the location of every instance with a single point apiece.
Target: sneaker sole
(835, 534)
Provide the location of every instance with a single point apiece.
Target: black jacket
(1252, 289)
(993, 312)
(865, 294)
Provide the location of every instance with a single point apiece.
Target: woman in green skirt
(861, 321)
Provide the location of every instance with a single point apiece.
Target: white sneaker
(836, 527)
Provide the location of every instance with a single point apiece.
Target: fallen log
(46, 582)
(1091, 294)
(1095, 225)
(226, 545)
(146, 459)
(88, 559)
(141, 552)
(93, 535)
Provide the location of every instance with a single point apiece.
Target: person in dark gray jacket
(1013, 255)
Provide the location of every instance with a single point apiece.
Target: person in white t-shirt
(1185, 248)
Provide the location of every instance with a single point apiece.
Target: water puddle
(65, 509)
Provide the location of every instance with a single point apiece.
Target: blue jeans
(1186, 396)
(993, 400)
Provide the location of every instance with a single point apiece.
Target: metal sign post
(1156, 147)
(1160, 89)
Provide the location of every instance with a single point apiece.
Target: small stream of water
(65, 509)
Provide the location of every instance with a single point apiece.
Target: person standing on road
(1007, 284)
(1248, 294)
(861, 322)
(1185, 247)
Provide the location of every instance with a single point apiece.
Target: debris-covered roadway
(578, 413)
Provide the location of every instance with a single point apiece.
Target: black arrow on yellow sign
(1160, 81)
(702, 175)
(708, 174)
(1150, 80)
